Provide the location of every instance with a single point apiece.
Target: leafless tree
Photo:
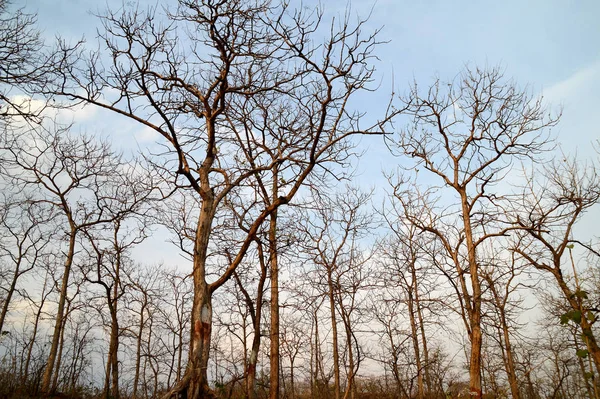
(549, 212)
(333, 232)
(70, 175)
(407, 278)
(142, 302)
(467, 134)
(250, 83)
(25, 233)
(22, 62)
(127, 200)
(504, 284)
(37, 306)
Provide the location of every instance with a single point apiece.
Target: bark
(583, 372)
(415, 339)
(59, 358)
(9, 293)
(509, 362)
(111, 386)
(138, 350)
(196, 377)
(585, 325)
(273, 262)
(49, 371)
(428, 382)
(350, 388)
(334, 334)
(476, 336)
(113, 360)
(256, 316)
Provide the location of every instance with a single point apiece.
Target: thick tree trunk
(200, 344)
(194, 384)
(476, 336)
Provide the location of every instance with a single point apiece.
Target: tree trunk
(476, 336)
(113, 358)
(273, 263)
(585, 325)
(415, 339)
(256, 319)
(200, 344)
(426, 365)
(36, 323)
(292, 387)
(510, 362)
(9, 294)
(138, 349)
(61, 345)
(334, 333)
(59, 322)
(350, 389)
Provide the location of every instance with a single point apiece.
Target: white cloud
(146, 135)
(76, 113)
(573, 86)
(578, 97)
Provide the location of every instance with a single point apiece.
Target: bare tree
(142, 301)
(467, 134)
(333, 232)
(504, 283)
(126, 200)
(69, 175)
(407, 277)
(37, 305)
(21, 61)
(549, 213)
(203, 103)
(25, 232)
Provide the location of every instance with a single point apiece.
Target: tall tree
(467, 133)
(333, 232)
(70, 175)
(233, 88)
(549, 212)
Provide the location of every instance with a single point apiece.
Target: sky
(550, 46)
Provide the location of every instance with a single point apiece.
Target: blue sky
(553, 46)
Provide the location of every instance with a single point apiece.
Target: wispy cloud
(578, 97)
(572, 87)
